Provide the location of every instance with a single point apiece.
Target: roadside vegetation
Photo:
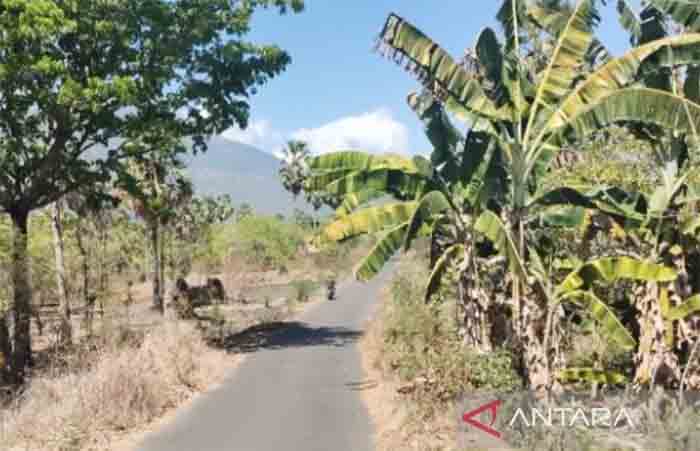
(561, 218)
(550, 238)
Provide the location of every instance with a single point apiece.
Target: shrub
(422, 345)
(268, 241)
(303, 289)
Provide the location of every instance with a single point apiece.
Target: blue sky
(338, 92)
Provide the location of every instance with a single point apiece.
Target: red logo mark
(492, 407)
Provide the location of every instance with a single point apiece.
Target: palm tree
(294, 169)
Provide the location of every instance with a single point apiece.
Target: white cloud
(375, 131)
(259, 134)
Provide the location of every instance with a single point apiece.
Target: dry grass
(400, 422)
(420, 369)
(128, 386)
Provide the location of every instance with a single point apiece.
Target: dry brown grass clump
(127, 387)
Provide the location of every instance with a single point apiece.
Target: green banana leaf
(429, 205)
(511, 15)
(353, 201)
(439, 130)
(612, 269)
(381, 253)
(685, 12)
(404, 185)
(564, 217)
(610, 325)
(358, 160)
(566, 60)
(649, 106)
(615, 75)
(369, 220)
(437, 69)
(562, 196)
(319, 181)
(687, 308)
(441, 265)
(490, 56)
(491, 226)
(629, 21)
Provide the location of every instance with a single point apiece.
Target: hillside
(244, 172)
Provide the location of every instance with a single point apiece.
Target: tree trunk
(5, 347)
(85, 264)
(654, 361)
(530, 320)
(22, 340)
(155, 253)
(65, 331)
(163, 259)
(474, 304)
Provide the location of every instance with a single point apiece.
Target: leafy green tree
(156, 187)
(81, 79)
(193, 230)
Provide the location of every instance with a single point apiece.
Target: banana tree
(578, 287)
(533, 111)
(437, 197)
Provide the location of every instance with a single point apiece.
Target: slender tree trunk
(85, 264)
(22, 340)
(155, 252)
(66, 331)
(5, 346)
(163, 260)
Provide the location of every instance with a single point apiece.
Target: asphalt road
(298, 390)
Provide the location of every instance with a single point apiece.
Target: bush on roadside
(303, 290)
(422, 346)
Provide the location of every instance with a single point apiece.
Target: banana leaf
(610, 325)
(369, 220)
(491, 226)
(612, 269)
(441, 265)
(381, 253)
(429, 205)
(688, 307)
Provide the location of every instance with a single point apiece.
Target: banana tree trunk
(529, 319)
(22, 340)
(65, 329)
(474, 306)
(655, 362)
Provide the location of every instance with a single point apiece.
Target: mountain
(244, 172)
